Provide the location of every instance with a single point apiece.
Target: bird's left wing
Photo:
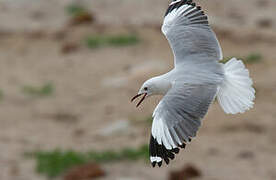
(187, 29)
(177, 118)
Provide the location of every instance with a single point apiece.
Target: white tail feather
(236, 94)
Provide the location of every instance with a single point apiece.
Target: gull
(192, 85)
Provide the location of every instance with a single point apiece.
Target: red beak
(138, 95)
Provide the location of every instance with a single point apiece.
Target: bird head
(146, 90)
(153, 86)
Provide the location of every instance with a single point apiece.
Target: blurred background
(68, 70)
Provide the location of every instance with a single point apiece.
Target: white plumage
(236, 93)
(191, 87)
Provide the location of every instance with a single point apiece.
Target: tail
(236, 93)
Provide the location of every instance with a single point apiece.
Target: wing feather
(177, 118)
(187, 29)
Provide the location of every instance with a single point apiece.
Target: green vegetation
(79, 14)
(45, 90)
(250, 59)
(54, 163)
(145, 121)
(256, 90)
(253, 58)
(149, 119)
(95, 41)
(225, 60)
(1, 94)
(75, 10)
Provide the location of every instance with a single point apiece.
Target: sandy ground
(93, 87)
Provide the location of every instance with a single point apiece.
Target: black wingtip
(178, 4)
(171, 155)
(153, 164)
(167, 161)
(159, 163)
(182, 145)
(175, 150)
(160, 151)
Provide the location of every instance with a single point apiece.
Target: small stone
(36, 34)
(246, 155)
(265, 23)
(69, 48)
(187, 172)
(79, 132)
(64, 117)
(262, 3)
(14, 171)
(84, 172)
(82, 18)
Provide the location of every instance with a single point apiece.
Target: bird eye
(145, 88)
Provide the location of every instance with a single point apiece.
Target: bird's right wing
(187, 29)
(177, 119)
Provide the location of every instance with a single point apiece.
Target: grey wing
(187, 29)
(177, 119)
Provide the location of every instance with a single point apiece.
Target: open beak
(138, 95)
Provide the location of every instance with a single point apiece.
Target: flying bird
(192, 85)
